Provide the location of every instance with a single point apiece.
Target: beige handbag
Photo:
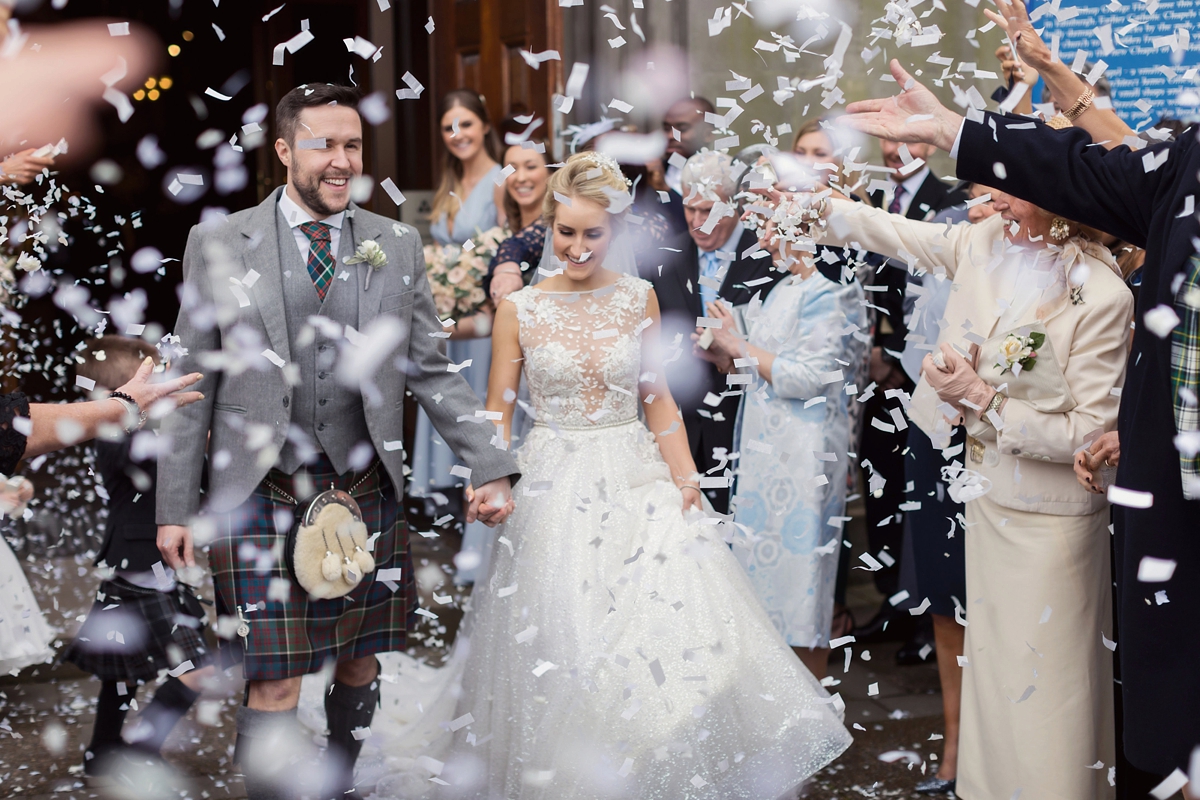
(1040, 383)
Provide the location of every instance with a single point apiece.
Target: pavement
(46, 712)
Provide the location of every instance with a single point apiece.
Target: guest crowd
(968, 358)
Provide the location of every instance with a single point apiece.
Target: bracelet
(1081, 105)
(690, 486)
(132, 409)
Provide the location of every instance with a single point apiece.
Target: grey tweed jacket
(234, 324)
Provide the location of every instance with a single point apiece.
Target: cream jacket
(1029, 461)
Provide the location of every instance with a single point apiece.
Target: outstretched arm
(662, 414)
(1103, 124)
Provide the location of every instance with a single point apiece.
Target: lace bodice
(583, 352)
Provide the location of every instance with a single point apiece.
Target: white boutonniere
(370, 253)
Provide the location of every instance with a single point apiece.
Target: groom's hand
(175, 544)
(491, 503)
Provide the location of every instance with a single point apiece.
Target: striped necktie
(320, 256)
(894, 207)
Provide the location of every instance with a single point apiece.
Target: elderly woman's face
(1033, 222)
(981, 211)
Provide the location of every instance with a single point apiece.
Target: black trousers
(885, 451)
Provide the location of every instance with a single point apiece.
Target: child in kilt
(144, 623)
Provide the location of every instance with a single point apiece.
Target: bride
(616, 649)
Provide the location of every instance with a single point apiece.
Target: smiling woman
(465, 206)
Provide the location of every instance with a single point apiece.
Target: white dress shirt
(297, 216)
(911, 185)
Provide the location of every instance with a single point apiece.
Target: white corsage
(1019, 353)
(370, 253)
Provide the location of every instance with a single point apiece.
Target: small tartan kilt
(132, 633)
(290, 634)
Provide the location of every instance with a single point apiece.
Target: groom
(306, 361)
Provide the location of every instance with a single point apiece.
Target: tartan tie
(894, 206)
(320, 257)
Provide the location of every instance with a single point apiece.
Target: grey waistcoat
(325, 415)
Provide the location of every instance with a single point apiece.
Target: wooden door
(478, 44)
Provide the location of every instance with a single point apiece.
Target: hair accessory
(1059, 229)
(607, 162)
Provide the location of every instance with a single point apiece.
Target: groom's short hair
(287, 113)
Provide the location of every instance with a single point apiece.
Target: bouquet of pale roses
(456, 273)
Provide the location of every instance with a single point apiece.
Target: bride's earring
(1059, 230)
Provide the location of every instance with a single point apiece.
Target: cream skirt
(1037, 706)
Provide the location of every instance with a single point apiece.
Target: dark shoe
(936, 785)
(888, 625)
(914, 650)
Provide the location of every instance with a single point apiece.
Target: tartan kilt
(132, 633)
(295, 636)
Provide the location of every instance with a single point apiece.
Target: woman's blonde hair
(586, 176)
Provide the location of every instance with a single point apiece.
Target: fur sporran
(327, 550)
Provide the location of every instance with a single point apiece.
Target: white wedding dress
(616, 650)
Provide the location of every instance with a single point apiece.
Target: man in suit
(307, 359)
(708, 263)
(917, 194)
(688, 132)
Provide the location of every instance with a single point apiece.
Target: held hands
(914, 115)
(1104, 452)
(725, 345)
(491, 503)
(955, 379)
(884, 373)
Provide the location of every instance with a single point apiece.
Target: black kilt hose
(297, 636)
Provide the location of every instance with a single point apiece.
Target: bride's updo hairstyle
(589, 176)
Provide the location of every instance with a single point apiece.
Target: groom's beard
(309, 189)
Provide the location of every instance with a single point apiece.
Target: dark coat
(130, 538)
(1062, 172)
(691, 378)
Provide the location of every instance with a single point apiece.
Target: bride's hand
(691, 498)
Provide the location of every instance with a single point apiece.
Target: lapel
(689, 270)
(930, 193)
(361, 228)
(733, 288)
(261, 252)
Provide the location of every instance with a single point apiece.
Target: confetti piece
(389, 186)
(118, 29)
(1129, 498)
(1155, 570)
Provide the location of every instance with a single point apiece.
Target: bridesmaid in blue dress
(467, 203)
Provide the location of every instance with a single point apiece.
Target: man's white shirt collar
(296, 216)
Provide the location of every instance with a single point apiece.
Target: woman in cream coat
(1037, 713)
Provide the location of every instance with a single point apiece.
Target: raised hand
(913, 115)
(1014, 21)
(21, 168)
(147, 394)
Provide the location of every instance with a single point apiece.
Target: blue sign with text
(1151, 53)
